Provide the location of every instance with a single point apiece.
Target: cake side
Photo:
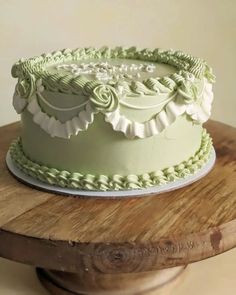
(102, 182)
(100, 150)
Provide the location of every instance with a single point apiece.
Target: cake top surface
(112, 70)
(138, 71)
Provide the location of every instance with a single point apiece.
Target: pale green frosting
(26, 87)
(78, 180)
(100, 150)
(34, 68)
(187, 91)
(104, 98)
(196, 103)
(114, 132)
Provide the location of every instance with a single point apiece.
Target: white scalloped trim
(19, 103)
(199, 111)
(54, 127)
(149, 128)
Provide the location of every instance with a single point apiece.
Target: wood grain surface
(126, 235)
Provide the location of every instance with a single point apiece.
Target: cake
(112, 118)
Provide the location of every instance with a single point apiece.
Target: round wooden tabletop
(121, 235)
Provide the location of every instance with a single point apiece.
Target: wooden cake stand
(119, 246)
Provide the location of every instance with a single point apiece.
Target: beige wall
(205, 28)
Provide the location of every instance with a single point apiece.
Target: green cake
(112, 118)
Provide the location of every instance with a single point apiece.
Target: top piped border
(30, 70)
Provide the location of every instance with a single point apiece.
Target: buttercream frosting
(187, 91)
(38, 68)
(104, 98)
(78, 180)
(112, 118)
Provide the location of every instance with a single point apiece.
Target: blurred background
(204, 28)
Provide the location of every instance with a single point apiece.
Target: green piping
(32, 69)
(115, 182)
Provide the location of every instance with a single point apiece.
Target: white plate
(111, 194)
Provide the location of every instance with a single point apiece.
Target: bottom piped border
(80, 181)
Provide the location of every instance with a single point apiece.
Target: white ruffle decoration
(149, 128)
(19, 103)
(56, 128)
(199, 111)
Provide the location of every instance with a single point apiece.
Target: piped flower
(26, 86)
(104, 98)
(23, 92)
(189, 91)
(200, 110)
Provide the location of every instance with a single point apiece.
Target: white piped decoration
(103, 71)
(199, 111)
(56, 128)
(19, 103)
(146, 129)
(150, 68)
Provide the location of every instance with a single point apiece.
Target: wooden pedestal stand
(120, 246)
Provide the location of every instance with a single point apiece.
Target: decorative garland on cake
(189, 91)
(115, 182)
(54, 127)
(195, 103)
(197, 107)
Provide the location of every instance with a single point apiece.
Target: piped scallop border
(36, 68)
